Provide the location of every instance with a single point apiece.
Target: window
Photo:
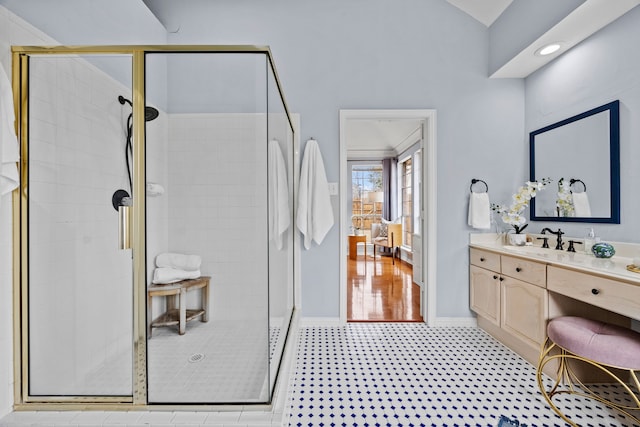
(406, 194)
(367, 196)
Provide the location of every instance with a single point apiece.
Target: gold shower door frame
(20, 72)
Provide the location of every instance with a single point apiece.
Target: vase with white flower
(564, 202)
(513, 214)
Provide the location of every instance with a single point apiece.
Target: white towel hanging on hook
(315, 212)
(279, 211)
(9, 149)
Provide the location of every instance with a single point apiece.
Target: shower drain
(196, 357)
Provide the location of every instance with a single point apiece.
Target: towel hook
(573, 181)
(474, 181)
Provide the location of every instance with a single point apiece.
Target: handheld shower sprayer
(150, 114)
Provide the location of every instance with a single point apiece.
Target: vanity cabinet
(510, 298)
(514, 295)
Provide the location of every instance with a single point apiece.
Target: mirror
(581, 155)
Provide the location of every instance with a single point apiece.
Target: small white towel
(171, 275)
(315, 213)
(581, 205)
(9, 149)
(479, 211)
(279, 212)
(179, 261)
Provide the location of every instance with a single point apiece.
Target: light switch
(333, 188)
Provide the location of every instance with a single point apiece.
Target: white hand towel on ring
(581, 205)
(479, 211)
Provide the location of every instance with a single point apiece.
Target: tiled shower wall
(217, 207)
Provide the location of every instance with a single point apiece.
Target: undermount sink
(549, 253)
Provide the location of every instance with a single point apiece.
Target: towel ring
(475, 181)
(573, 181)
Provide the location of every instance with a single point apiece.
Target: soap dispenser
(589, 240)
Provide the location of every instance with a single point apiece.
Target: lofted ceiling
(590, 17)
(485, 11)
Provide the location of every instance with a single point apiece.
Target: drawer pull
(501, 279)
(518, 269)
(495, 277)
(481, 259)
(595, 291)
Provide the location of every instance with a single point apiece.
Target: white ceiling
(485, 11)
(377, 138)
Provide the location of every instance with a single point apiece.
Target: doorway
(370, 282)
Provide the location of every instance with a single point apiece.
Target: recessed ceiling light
(548, 49)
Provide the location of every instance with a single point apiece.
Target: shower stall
(134, 152)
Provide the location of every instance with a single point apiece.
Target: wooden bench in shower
(178, 314)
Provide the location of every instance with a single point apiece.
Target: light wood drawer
(528, 271)
(484, 259)
(619, 297)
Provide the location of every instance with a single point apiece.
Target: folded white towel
(9, 149)
(479, 211)
(171, 275)
(581, 205)
(179, 261)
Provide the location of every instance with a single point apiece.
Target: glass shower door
(209, 155)
(80, 292)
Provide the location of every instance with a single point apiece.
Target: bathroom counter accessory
(177, 314)
(633, 268)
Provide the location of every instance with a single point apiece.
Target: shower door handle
(124, 227)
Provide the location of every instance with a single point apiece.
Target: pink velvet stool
(601, 345)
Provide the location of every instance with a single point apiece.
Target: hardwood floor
(378, 291)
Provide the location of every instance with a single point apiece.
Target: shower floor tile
(213, 362)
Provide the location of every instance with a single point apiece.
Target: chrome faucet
(559, 233)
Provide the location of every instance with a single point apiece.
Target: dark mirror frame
(614, 166)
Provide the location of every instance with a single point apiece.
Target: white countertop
(615, 267)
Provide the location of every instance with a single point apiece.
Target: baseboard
(440, 322)
(319, 321)
(456, 321)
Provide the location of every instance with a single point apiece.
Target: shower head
(150, 113)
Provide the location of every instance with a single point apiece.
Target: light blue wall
(366, 54)
(603, 68)
(334, 55)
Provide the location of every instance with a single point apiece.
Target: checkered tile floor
(406, 374)
(378, 375)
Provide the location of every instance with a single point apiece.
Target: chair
(600, 345)
(392, 239)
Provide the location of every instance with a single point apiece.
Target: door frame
(429, 199)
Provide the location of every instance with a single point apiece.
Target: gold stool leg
(566, 376)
